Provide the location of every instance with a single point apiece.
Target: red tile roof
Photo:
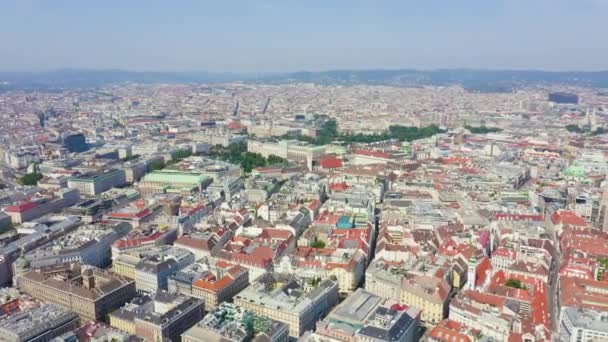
(449, 331)
(19, 208)
(331, 163)
(567, 217)
(483, 271)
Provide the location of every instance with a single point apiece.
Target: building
(217, 136)
(173, 181)
(143, 239)
(89, 244)
(484, 312)
(449, 331)
(5, 222)
(42, 323)
(221, 283)
(230, 323)
(134, 171)
(20, 159)
(96, 183)
(226, 187)
(291, 150)
(602, 217)
(89, 292)
(133, 215)
(125, 152)
(204, 244)
(345, 265)
(90, 210)
(162, 316)
(36, 208)
(289, 300)
(37, 234)
(579, 324)
(97, 332)
(214, 282)
(75, 142)
(563, 98)
(363, 316)
(155, 266)
(428, 293)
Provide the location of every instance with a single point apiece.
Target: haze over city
(282, 36)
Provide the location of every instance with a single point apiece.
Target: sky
(294, 35)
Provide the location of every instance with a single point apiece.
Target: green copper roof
(173, 176)
(575, 170)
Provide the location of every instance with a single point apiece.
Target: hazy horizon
(253, 72)
(274, 36)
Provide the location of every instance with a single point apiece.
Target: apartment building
(289, 300)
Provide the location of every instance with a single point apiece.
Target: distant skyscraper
(563, 98)
(42, 118)
(75, 142)
(602, 217)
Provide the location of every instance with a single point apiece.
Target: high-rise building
(602, 217)
(125, 152)
(75, 142)
(563, 98)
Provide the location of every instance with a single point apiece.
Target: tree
(157, 165)
(30, 178)
(132, 157)
(250, 161)
(318, 244)
(482, 129)
(574, 129)
(406, 133)
(237, 153)
(273, 160)
(182, 154)
(514, 283)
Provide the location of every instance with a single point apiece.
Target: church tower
(471, 274)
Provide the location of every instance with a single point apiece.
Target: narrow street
(553, 288)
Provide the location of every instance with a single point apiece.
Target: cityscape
(363, 205)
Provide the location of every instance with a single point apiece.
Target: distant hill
(477, 80)
(472, 79)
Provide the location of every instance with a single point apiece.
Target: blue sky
(291, 35)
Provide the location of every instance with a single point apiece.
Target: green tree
(273, 160)
(482, 129)
(574, 129)
(30, 178)
(157, 165)
(182, 154)
(408, 133)
(318, 244)
(132, 157)
(514, 283)
(250, 161)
